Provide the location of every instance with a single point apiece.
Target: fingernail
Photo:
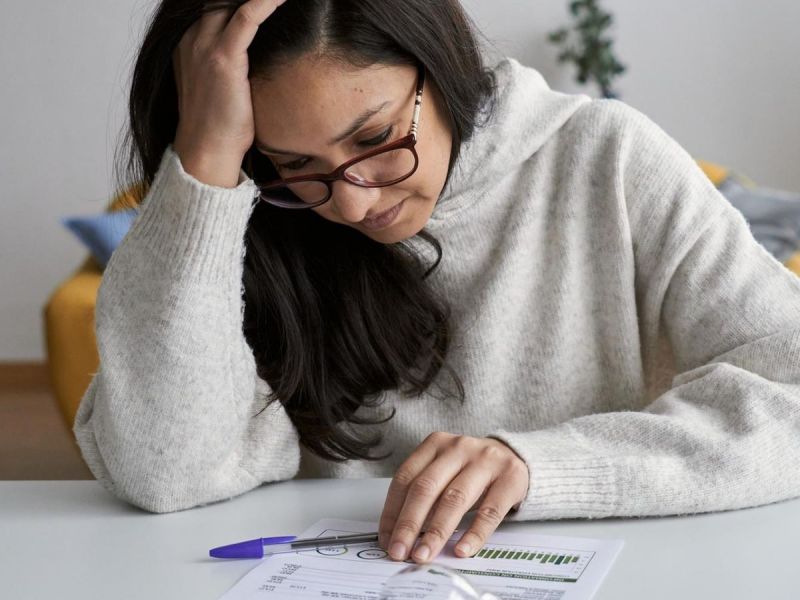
(397, 551)
(463, 549)
(422, 552)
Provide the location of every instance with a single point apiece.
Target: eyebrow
(354, 127)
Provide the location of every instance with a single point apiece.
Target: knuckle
(453, 498)
(403, 477)
(406, 526)
(246, 15)
(518, 469)
(489, 513)
(437, 533)
(491, 453)
(423, 486)
(217, 60)
(463, 442)
(437, 437)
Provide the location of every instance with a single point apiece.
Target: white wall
(721, 76)
(62, 70)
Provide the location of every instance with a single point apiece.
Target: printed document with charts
(512, 566)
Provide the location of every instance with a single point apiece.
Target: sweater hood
(525, 115)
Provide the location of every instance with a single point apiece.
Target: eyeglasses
(380, 167)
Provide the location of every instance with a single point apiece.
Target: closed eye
(296, 165)
(380, 139)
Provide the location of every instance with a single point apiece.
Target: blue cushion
(772, 215)
(102, 233)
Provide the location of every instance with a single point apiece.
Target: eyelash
(377, 141)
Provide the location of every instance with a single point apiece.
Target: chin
(394, 233)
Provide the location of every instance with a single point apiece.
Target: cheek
(434, 155)
(423, 180)
(325, 212)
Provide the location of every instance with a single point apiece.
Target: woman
(485, 320)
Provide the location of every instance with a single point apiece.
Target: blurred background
(720, 76)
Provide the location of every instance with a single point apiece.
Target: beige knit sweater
(585, 253)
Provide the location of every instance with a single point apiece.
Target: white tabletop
(71, 539)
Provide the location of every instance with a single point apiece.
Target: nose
(353, 202)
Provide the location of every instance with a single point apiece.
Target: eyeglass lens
(380, 169)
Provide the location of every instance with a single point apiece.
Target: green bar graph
(541, 557)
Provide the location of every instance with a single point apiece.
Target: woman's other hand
(216, 126)
(444, 478)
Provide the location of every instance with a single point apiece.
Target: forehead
(314, 98)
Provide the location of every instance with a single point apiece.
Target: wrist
(210, 168)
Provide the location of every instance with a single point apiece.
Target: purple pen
(258, 547)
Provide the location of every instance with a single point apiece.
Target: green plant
(591, 53)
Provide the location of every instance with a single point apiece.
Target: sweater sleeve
(173, 417)
(726, 435)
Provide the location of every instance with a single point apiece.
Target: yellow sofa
(69, 316)
(717, 174)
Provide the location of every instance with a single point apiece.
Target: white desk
(72, 540)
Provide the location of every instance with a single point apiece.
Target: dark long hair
(333, 317)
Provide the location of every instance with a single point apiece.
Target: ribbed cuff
(195, 228)
(566, 481)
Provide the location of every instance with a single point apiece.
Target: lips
(380, 215)
(383, 219)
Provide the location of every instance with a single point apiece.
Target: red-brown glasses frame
(409, 141)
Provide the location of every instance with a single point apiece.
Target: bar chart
(541, 557)
(546, 564)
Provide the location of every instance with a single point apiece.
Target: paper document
(512, 566)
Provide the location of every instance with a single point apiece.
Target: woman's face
(312, 101)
